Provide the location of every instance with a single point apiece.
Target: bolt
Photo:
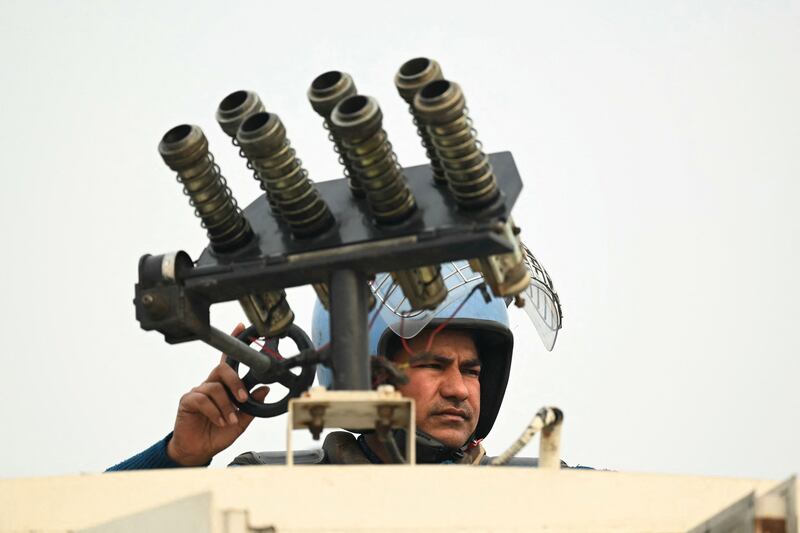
(317, 423)
(385, 390)
(156, 307)
(385, 412)
(384, 422)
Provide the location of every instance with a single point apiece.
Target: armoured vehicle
(404, 247)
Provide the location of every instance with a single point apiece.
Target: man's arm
(207, 422)
(153, 457)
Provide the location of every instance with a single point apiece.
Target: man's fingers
(217, 393)
(225, 374)
(200, 403)
(235, 333)
(259, 395)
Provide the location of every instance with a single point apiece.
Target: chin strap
(430, 450)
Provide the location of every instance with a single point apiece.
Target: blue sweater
(153, 457)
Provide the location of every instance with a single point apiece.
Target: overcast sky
(659, 144)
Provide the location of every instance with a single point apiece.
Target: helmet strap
(430, 450)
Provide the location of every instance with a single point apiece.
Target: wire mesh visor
(459, 279)
(541, 301)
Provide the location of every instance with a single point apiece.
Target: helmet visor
(405, 322)
(541, 301)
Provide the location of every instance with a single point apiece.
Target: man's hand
(207, 420)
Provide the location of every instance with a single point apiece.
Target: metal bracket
(354, 410)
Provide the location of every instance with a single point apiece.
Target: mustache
(442, 407)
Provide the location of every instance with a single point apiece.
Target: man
(457, 368)
(444, 380)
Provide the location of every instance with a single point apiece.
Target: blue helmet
(488, 321)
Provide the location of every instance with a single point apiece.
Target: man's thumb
(260, 393)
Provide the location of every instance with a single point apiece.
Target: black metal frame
(177, 305)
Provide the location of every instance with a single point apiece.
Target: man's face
(443, 380)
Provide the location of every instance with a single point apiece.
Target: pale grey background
(659, 147)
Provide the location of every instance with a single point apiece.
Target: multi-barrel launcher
(337, 235)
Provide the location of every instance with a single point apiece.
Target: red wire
(403, 339)
(441, 326)
(266, 349)
(406, 347)
(474, 443)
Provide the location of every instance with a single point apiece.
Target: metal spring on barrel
(441, 106)
(231, 112)
(263, 138)
(347, 171)
(327, 90)
(410, 78)
(358, 120)
(185, 150)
